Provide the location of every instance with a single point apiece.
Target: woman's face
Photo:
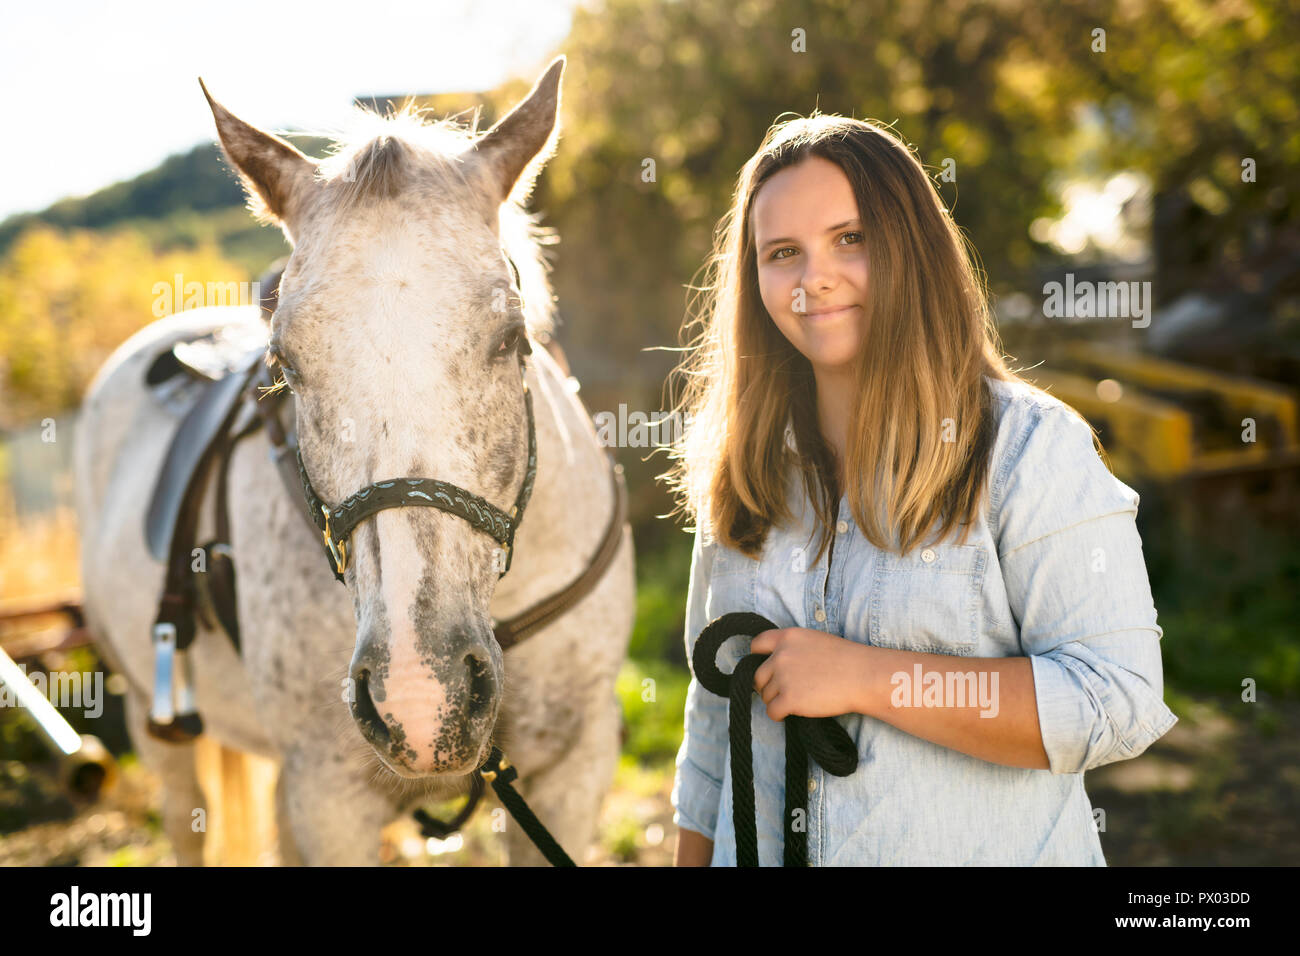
(812, 261)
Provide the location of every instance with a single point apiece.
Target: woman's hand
(810, 673)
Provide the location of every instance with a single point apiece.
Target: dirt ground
(1222, 788)
(123, 828)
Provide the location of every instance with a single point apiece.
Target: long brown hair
(923, 420)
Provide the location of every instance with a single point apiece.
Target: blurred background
(1145, 141)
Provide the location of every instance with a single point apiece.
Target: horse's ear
(276, 176)
(513, 152)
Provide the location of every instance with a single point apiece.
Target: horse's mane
(376, 156)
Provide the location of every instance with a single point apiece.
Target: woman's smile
(817, 318)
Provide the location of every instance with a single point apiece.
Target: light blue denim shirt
(1052, 570)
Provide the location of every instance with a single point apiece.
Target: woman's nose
(818, 276)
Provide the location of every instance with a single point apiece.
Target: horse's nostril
(480, 684)
(364, 713)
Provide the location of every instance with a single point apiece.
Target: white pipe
(50, 721)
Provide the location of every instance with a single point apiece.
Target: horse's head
(398, 326)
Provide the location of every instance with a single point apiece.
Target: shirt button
(820, 614)
(812, 785)
(927, 556)
(842, 527)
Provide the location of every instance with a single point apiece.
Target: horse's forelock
(380, 157)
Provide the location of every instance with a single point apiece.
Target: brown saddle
(221, 410)
(189, 456)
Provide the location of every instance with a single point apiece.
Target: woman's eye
(777, 257)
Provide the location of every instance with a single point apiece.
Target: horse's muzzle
(431, 716)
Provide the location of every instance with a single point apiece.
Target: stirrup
(173, 715)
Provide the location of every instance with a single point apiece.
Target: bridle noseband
(336, 524)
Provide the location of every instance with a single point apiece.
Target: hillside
(188, 198)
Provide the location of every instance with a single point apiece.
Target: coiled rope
(822, 738)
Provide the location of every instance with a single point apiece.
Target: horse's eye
(287, 371)
(515, 339)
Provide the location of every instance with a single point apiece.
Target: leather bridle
(336, 524)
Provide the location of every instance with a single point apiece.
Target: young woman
(975, 611)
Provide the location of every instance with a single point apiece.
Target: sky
(99, 92)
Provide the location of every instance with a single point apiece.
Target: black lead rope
(431, 826)
(499, 772)
(822, 738)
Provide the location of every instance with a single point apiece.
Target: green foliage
(126, 856)
(622, 840)
(28, 797)
(67, 300)
(657, 653)
(662, 578)
(242, 240)
(1228, 606)
(653, 726)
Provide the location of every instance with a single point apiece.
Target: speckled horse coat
(397, 326)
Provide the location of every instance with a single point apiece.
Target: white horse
(402, 365)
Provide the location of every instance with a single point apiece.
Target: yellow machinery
(1161, 420)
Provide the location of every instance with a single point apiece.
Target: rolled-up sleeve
(697, 784)
(1077, 584)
